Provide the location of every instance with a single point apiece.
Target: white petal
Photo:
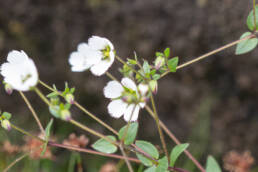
(113, 89)
(78, 63)
(16, 56)
(116, 108)
(142, 104)
(91, 56)
(128, 83)
(129, 111)
(99, 43)
(143, 88)
(101, 67)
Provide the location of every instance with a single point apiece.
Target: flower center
(25, 78)
(129, 96)
(106, 53)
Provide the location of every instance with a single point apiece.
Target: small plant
(128, 97)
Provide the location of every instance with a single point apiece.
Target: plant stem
(156, 117)
(82, 109)
(111, 76)
(42, 96)
(210, 53)
(126, 158)
(33, 112)
(174, 138)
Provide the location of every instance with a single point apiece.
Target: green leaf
(47, 134)
(146, 67)
(176, 151)
(172, 64)
(151, 169)
(163, 165)
(246, 45)
(131, 133)
(159, 54)
(167, 52)
(212, 165)
(7, 115)
(102, 145)
(53, 94)
(250, 19)
(148, 148)
(156, 76)
(132, 62)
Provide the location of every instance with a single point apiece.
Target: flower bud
(6, 124)
(8, 89)
(69, 98)
(154, 86)
(65, 115)
(159, 62)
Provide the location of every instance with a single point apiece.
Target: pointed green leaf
(146, 67)
(102, 145)
(250, 19)
(131, 133)
(167, 52)
(163, 165)
(212, 165)
(132, 62)
(172, 64)
(246, 45)
(151, 169)
(148, 148)
(47, 134)
(156, 76)
(175, 153)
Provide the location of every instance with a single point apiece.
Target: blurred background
(211, 104)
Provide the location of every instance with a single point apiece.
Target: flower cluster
(98, 55)
(127, 98)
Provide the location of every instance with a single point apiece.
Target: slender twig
(20, 158)
(210, 53)
(42, 96)
(126, 158)
(33, 112)
(82, 109)
(111, 76)
(156, 117)
(174, 138)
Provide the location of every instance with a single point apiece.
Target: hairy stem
(156, 117)
(33, 112)
(210, 53)
(126, 158)
(174, 138)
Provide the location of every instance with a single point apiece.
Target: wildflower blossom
(19, 71)
(127, 98)
(98, 55)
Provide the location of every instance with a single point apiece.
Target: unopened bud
(69, 98)
(8, 89)
(6, 124)
(65, 115)
(154, 86)
(159, 62)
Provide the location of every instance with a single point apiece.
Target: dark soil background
(211, 104)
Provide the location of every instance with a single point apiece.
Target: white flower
(98, 55)
(19, 71)
(126, 100)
